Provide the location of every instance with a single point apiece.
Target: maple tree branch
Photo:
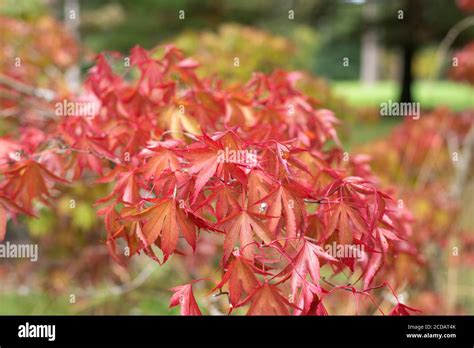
(9, 112)
(189, 135)
(220, 293)
(41, 93)
(324, 200)
(94, 153)
(449, 39)
(47, 112)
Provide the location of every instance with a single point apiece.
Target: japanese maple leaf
(285, 202)
(151, 71)
(29, 180)
(306, 261)
(274, 157)
(166, 220)
(159, 160)
(324, 122)
(118, 226)
(309, 303)
(242, 226)
(400, 310)
(121, 226)
(206, 160)
(373, 265)
(266, 299)
(259, 187)
(160, 156)
(225, 198)
(89, 152)
(204, 164)
(176, 184)
(317, 307)
(348, 221)
(183, 296)
(376, 259)
(126, 188)
(238, 111)
(114, 229)
(177, 122)
(378, 209)
(240, 275)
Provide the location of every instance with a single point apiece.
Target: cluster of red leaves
(464, 71)
(251, 165)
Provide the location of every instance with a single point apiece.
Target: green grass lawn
(430, 94)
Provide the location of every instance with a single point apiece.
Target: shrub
(255, 168)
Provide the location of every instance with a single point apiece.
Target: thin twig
(41, 93)
(449, 39)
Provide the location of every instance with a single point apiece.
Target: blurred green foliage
(263, 51)
(425, 64)
(256, 50)
(28, 9)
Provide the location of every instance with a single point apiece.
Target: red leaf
(241, 277)
(285, 202)
(183, 295)
(29, 180)
(267, 300)
(348, 221)
(165, 220)
(309, 303)
(306, 262)
(242, 226)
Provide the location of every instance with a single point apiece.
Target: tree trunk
(369, 64)
(409, 44)
(407, 73)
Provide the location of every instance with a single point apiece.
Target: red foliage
(419, 155)
(260, 171)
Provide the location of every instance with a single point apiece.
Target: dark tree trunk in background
(407, 73)
(410, 39)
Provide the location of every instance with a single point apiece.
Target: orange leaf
(165, 220)
(183, 295)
